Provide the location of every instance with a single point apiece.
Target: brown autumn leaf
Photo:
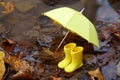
(117, 35)
(53, 57)
(115, 41)
(8, 45)
(101, 36)
(50, 53)
(39, 68)
(54, 78)
(96, 74)
(2, 65)
(103, 59)
(22, 76)
(105, 33)
(17, 64)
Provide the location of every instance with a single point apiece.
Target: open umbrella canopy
(74, 21)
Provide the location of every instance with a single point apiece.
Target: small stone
(24, 5)
(89, 59)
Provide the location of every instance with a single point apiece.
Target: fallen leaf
(17, 64)
(2, 65)
(96, 74)
(50, 53)
(118, 68)
(8, 45)
(106, 32)
(9, 7)
(22, 76)
(117, 35)
(101, 36)
(52, 57)
(54, 78)
(39, 69)
(115, 42)
(103, 59)
(109, 71)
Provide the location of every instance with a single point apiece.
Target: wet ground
(30, 39)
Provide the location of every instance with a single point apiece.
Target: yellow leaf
(9, 7)
(96, 74)
(2, 66)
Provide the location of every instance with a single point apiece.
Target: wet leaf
(117, 35)
(118, 68)
(8, 45)
(54, 78)
(81, 75)
(2, 65)
(50, 53)
(53, 57)
(103, 59)
(45, 41)
(22, 76)
(115, 43)
(21, 55)
(106, 32)
(109, 71)
(101, 36)
(39, 69)
(96, 74)
(17, 64)
(9, 7)
(40, 65)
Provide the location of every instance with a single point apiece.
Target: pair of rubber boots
(73, 58)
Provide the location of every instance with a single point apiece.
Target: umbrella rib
(66, 34)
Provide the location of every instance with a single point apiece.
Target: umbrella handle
(82, 10)
(62, 41)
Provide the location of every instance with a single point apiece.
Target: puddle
(32, 32)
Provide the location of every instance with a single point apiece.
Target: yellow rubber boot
(77, 62)
(67, 50)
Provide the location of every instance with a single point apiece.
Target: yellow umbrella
(74, 21)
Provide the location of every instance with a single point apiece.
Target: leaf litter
(30, 49)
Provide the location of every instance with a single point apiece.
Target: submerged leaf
(22, 76)
(117, 35)
(54, 78)
(39, 69)
(8, 45)
(17, 64)
(96, 74)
